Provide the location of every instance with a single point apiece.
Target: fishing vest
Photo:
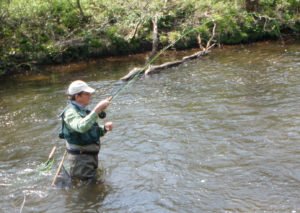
(92, 136)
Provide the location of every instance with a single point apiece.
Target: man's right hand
(102, 105)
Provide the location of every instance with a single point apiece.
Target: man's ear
(76, 96)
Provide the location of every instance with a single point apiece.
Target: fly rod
(130, 82)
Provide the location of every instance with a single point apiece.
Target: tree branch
(136, 29)
(208, 46)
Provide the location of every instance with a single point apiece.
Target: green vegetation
(58, 31)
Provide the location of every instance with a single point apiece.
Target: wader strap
(61, 134)
(80, 152)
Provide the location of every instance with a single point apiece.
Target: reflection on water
(220, 134)
(85, 198)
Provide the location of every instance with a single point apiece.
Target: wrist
(97, 110)
(93, 114)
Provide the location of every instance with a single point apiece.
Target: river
(218, 134)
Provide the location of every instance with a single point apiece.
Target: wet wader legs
(83, 166)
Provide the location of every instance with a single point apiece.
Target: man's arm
(75, 122)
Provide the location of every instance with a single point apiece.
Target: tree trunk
(252, 5)
(155, 38)
(80, 8)
(136, 29)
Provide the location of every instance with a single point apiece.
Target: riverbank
(36, 32)
(121, 65)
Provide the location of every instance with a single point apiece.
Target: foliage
(56, 31)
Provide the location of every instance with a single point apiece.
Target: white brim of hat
(89, 90)
(79, 86)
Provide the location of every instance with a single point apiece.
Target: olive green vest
(92, 136)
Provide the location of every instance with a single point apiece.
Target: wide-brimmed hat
(79, 86)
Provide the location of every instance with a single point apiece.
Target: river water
(218, 134)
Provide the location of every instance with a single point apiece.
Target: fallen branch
(131, 74)
(59, 168)
(200, 42)
(195, 55)
(156, 68)
(212, 36)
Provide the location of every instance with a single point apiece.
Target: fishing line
(136, 75)
(130, 82)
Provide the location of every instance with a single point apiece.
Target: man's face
(83, 98)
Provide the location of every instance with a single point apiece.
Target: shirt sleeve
(75, 122)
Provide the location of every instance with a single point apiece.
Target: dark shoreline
(80, 63)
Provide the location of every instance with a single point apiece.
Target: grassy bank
(36, 32)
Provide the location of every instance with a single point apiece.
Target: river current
(217, 134)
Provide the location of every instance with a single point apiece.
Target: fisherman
(82, 131)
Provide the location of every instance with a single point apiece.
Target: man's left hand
(108, 126)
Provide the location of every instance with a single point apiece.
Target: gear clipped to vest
(61, 135)
(101, 115)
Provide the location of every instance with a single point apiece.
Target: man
(81, 130)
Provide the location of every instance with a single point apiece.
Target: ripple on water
(215, 135)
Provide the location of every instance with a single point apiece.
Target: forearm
(79, 124)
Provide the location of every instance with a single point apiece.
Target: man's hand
(108, 126)
(102, 105)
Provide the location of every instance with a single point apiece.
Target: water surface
(219, 134)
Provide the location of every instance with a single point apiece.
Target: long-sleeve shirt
(74, 121)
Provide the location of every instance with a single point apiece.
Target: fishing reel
(102, 115)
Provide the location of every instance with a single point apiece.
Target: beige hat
(79, 86)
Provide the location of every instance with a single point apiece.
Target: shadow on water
(85, 198)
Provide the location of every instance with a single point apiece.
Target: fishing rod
(135, 76)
